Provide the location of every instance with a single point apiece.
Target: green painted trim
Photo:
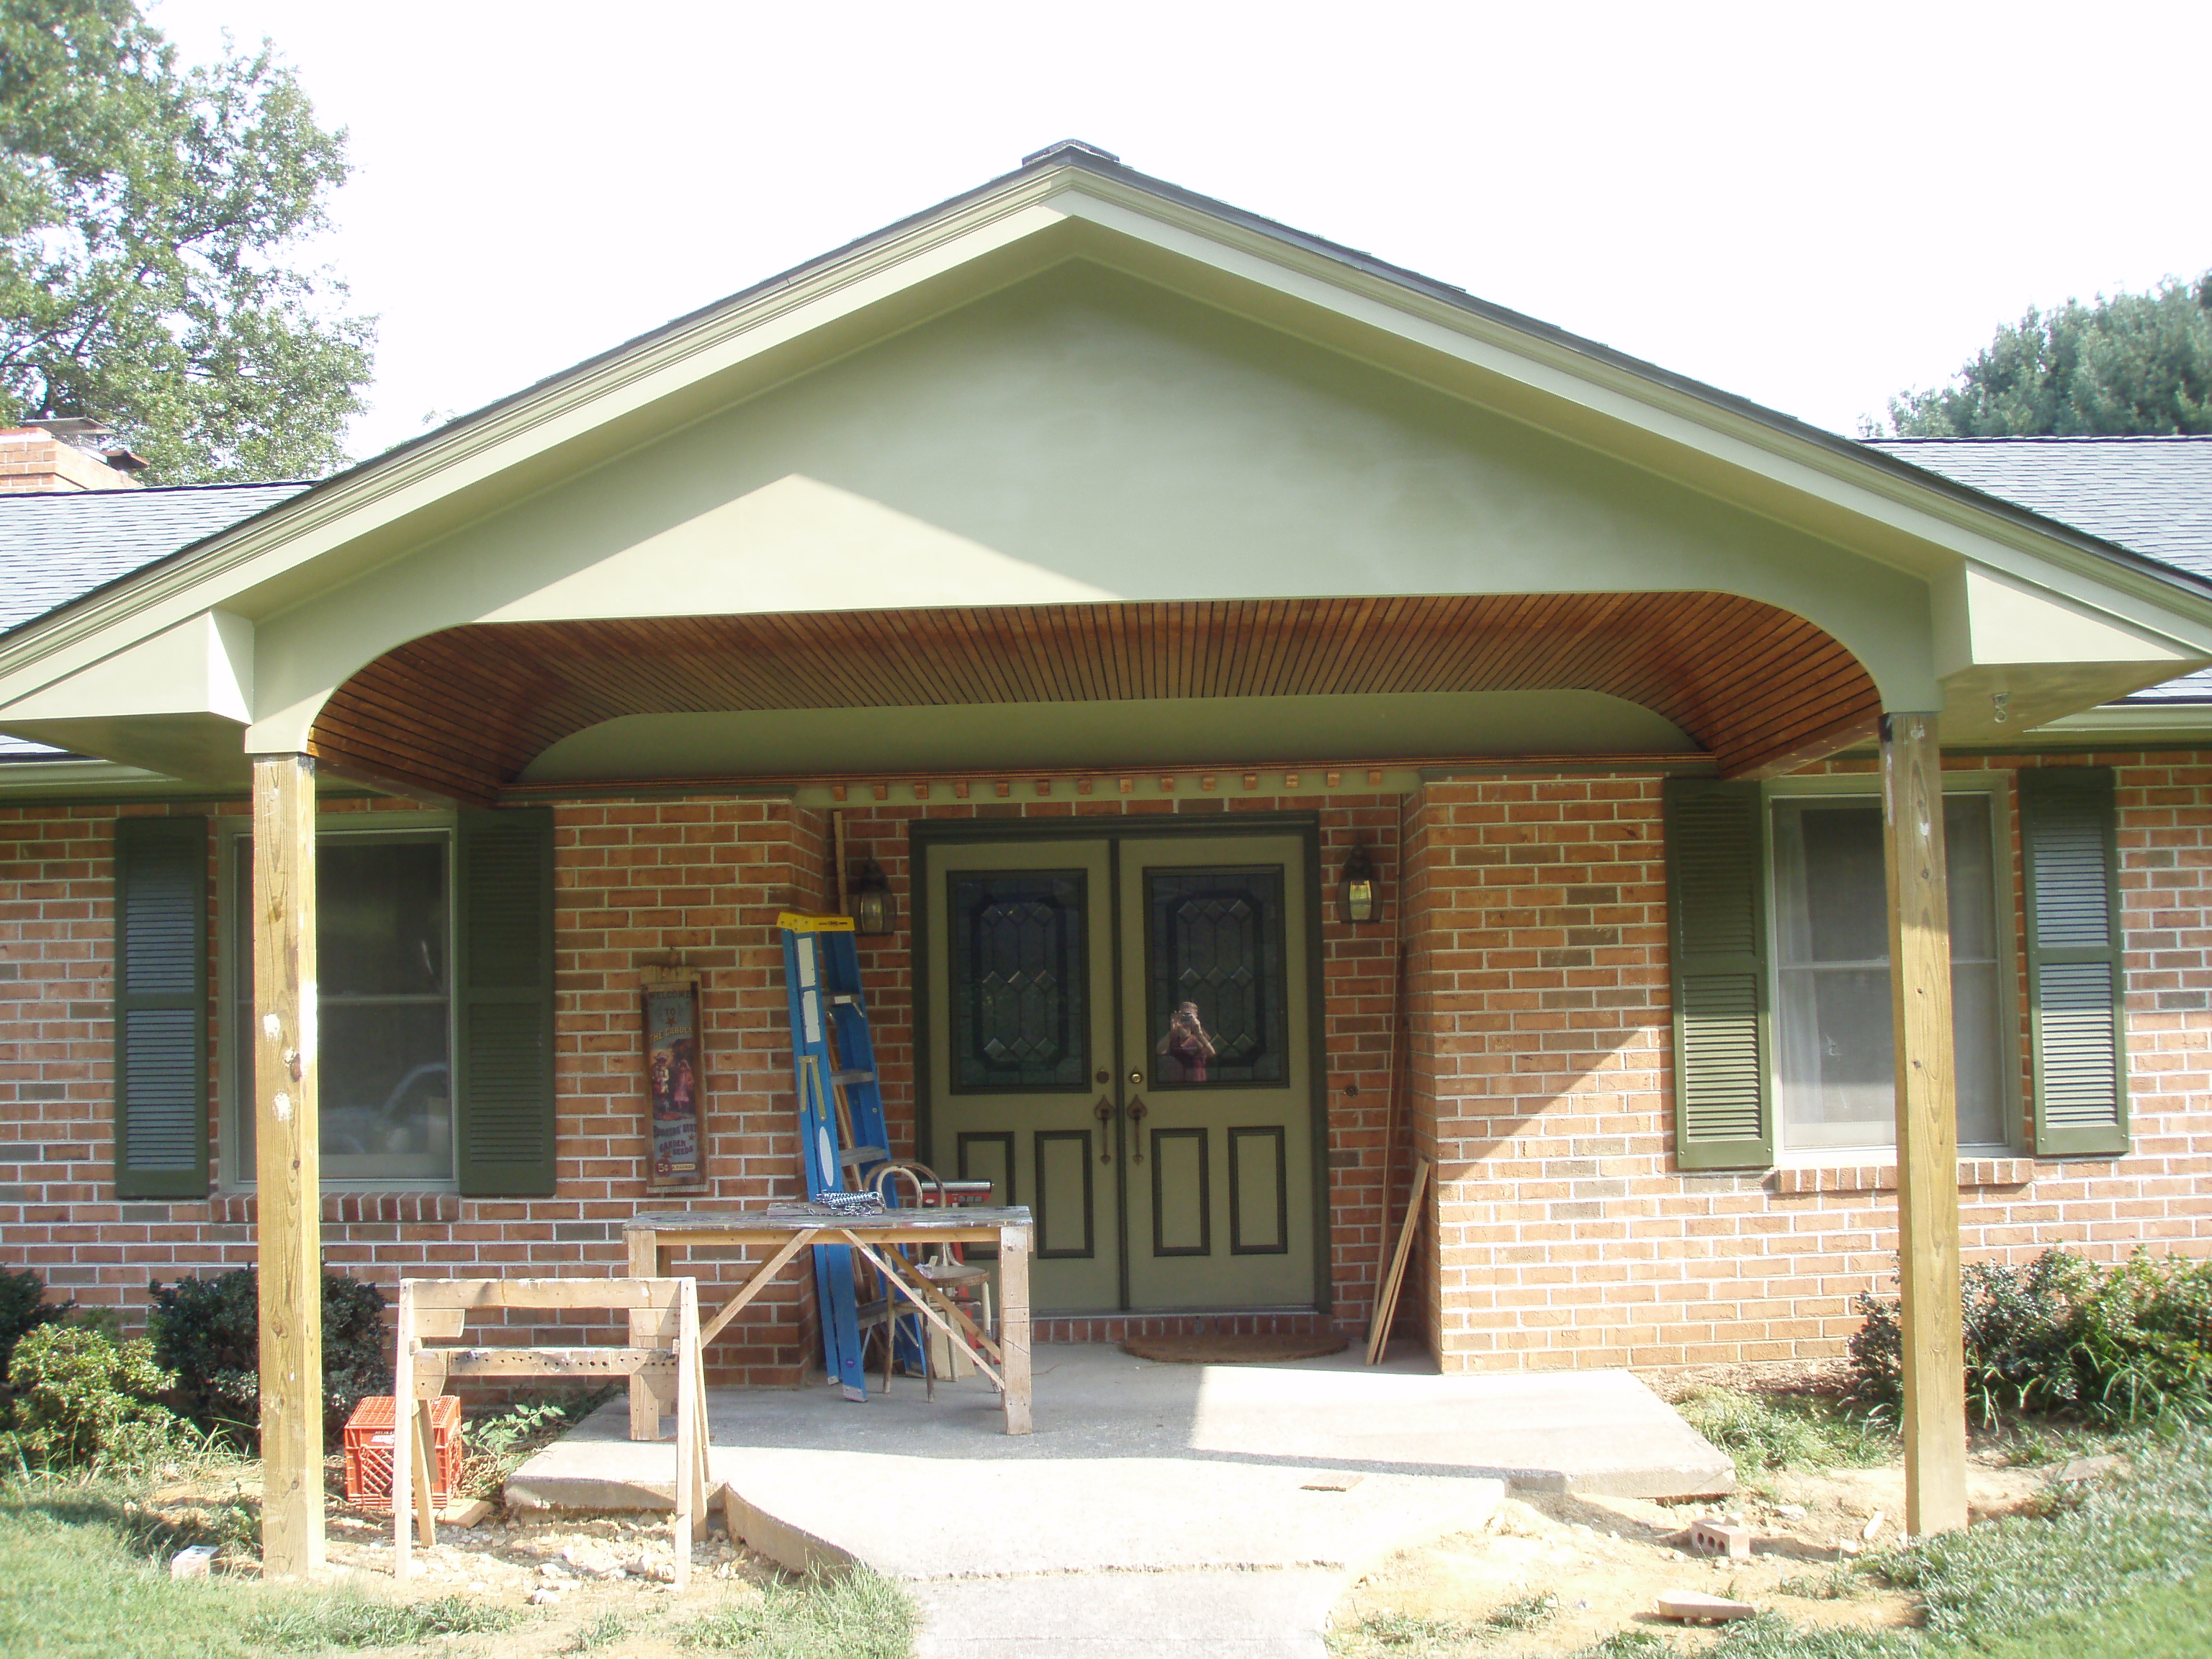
(140, 840)
(2091, 788)
(1686, 967)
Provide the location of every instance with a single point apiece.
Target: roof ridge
(2059, 438)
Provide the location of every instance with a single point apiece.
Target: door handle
(1138, 1112)
(1104, 1111)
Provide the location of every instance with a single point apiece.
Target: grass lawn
(85, 1573)
(2121, 1569)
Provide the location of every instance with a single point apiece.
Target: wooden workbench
(788, 1230)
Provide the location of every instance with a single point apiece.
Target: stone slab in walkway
(1142, 1615)
(1157, 1508)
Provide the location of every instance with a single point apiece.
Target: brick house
(1104, 569)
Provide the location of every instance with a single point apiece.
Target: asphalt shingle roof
(2151, 496)
(55, 548)
(58, 547)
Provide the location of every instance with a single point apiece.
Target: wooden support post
(287, 1167)
(1014, 1325)
(1927, 1125)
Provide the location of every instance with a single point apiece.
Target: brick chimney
(66, 453)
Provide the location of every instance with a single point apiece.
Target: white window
(385, 1009)
(1835, 1087)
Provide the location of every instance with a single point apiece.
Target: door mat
(1226, 1349)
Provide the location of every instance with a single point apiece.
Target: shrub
(23, 1309)
(209, 1331)
(2116, 1345)
(84, 1400)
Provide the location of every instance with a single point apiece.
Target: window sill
(1882, 1178)
(244, 1208)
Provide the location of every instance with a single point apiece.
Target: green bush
(83, 1400)
(2115, 1345)
(24, 1309)
(208, 1332)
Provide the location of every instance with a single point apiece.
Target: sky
(1811, 206)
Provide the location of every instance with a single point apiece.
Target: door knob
(1137, 1077)
(1138, 1112)
(1104, 1111)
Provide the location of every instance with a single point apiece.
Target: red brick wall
(1562, 1233)
(702, 881)
(1539, 1079)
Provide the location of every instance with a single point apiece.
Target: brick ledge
(1882, 1177)
(244, 1208)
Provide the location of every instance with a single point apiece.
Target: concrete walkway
(1156, 1509)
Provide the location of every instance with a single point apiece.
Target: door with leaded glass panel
(1217, 1086)
(1021, 1000)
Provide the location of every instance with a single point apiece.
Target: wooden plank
(610, 1293)
(1935, 1411)
(1385, 1304)
(687, 1432)
(288, 1165)
(753, 1286)
(424, 1433)
(554, 1362)
(892, 1279)
(439, 1324)
(402, 1453)
(1014, 1323)
(644, 1403)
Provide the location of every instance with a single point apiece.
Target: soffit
(463, 711)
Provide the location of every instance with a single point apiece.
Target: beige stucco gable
(1073, 390)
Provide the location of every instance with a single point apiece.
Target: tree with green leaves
(2136, 364)
(150, 215)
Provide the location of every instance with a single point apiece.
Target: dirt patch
(1602, 1561)
(600, 1583)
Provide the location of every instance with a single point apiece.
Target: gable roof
(1071, 201)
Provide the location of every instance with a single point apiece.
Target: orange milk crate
(369, 1452)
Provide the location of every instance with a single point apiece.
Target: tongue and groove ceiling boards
(466, 710)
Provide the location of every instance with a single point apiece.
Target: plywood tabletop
(794, 1219)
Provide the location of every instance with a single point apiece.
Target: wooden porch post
(1927, 1125)
(288, 1165)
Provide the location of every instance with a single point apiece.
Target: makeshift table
(787, 1230)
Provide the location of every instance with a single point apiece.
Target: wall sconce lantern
(875, 907)
(1356, 899)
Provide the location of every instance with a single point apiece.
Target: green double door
(1120, 1036)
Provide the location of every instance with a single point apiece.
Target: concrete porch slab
(1156, 1509)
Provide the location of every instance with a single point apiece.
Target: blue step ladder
(841, 1133)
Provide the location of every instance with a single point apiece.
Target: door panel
(1021, 1000)
(1217, 1070)
(1120, 1038)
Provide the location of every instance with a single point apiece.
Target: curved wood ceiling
(462, 712)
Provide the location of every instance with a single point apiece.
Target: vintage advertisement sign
(676, 1080)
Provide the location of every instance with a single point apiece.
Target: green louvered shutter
(503, 1092)
(161, 1008)
(2076, 984)
(1717, 928)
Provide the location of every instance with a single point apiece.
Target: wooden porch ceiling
(462, 712)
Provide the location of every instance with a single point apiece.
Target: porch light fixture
(1356, 898)
(875, 907)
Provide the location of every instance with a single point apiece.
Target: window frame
(233, 1052)
(1996, 786)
